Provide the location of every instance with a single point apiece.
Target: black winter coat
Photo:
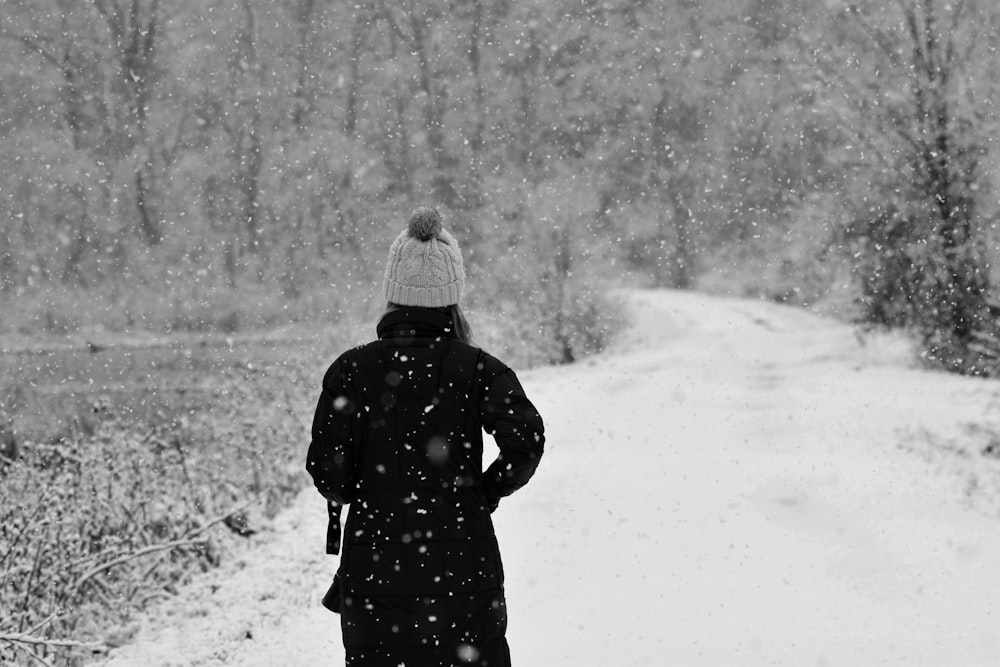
(398, 435)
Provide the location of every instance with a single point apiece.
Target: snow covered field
(736, 483)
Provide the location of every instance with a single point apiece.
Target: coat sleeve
(515, 424)
(330, 460)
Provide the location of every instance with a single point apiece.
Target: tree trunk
(442, 184)
(682, 260)
(354, 73)
(563, 265)
(302, 106)
(477, 140)
(145, 192)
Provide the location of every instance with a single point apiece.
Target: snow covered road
(726, 487)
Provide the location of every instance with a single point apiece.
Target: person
(398, 436)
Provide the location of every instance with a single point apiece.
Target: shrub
(102, 522)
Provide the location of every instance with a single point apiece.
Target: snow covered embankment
(727, 487)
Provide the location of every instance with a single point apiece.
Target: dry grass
(129, 496)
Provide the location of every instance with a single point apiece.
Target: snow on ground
(737, 483)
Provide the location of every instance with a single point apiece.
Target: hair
(459, 324)
(461, 330)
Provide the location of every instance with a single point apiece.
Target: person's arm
(330, 460)
(515, 424)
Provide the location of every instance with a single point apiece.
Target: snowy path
(725, 488)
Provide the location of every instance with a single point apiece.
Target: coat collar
(415, 322)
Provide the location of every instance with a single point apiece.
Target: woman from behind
(397, 436)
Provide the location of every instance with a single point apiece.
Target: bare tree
(414, 29)
(922, 242)
(89, 44)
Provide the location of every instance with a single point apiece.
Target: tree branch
(124, 558)
(24, 569)
(39, 507)
(189, 539)
(36, 46)
(41, 624)
(31, 654)
(386, 14)
(910, 16)
(881, 39)
(112, 14)
(956, 19)
(25, 638)
(152, 31)
(854, 96)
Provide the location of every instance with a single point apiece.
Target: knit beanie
(425, 264)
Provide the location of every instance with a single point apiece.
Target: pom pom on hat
(425, 223)
(425, 264)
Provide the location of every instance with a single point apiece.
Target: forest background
(236, 167)
(240, 164)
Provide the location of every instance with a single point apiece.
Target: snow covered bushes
(104, 521)
(918, 236)
(543, 272)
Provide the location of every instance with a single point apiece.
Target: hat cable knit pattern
(425, 264)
